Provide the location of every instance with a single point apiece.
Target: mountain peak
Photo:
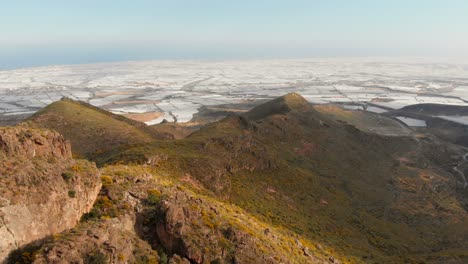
(280, 105)
(294, 100)
(90, 129)
(66, 98)
(293, 95)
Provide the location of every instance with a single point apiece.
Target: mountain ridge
(90, 129)
(343, 194)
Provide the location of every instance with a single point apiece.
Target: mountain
(280, 105)
(367, 195)
(286, 182)
(92, 130)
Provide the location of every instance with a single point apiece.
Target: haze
(35, 33)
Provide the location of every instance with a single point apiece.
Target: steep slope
(111, 240)
(372, 198)
(43, 190)
(92, 130)
(138, 206)
(280, 105)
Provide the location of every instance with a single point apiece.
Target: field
(175, 90)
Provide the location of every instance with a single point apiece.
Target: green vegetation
(72, 194)
(163, 258)
(106, 180)
(148, 260)
(293, 182)
(92, 131)
(154, 196)
(303, 171)
(67, 176)
(97, 258)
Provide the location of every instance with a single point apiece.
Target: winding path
(462, 174)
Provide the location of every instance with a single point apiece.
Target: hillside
(176, 130)
(370, 197)
(286, 182)
(140, 206)
(92, 130)
(365, 121)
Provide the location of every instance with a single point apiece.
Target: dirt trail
(462, 174)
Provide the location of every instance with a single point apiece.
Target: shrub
(71, 194)
(67, 176)
(77, 168)
(103, 208)
(96, 258)
(154, 196)
(23, 135)
(93, 214)
(163, 259)
(147, 260)
(106, 180)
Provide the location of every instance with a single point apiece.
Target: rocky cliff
(141, 216)
(43, 190)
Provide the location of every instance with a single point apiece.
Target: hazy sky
(77, 31)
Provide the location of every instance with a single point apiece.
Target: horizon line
(384, 59)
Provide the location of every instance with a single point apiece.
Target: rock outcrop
(140, 217)
(109, 241)
(43, 190)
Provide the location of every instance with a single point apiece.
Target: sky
(36, 33)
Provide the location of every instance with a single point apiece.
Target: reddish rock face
(43, 190)
(30, 143)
